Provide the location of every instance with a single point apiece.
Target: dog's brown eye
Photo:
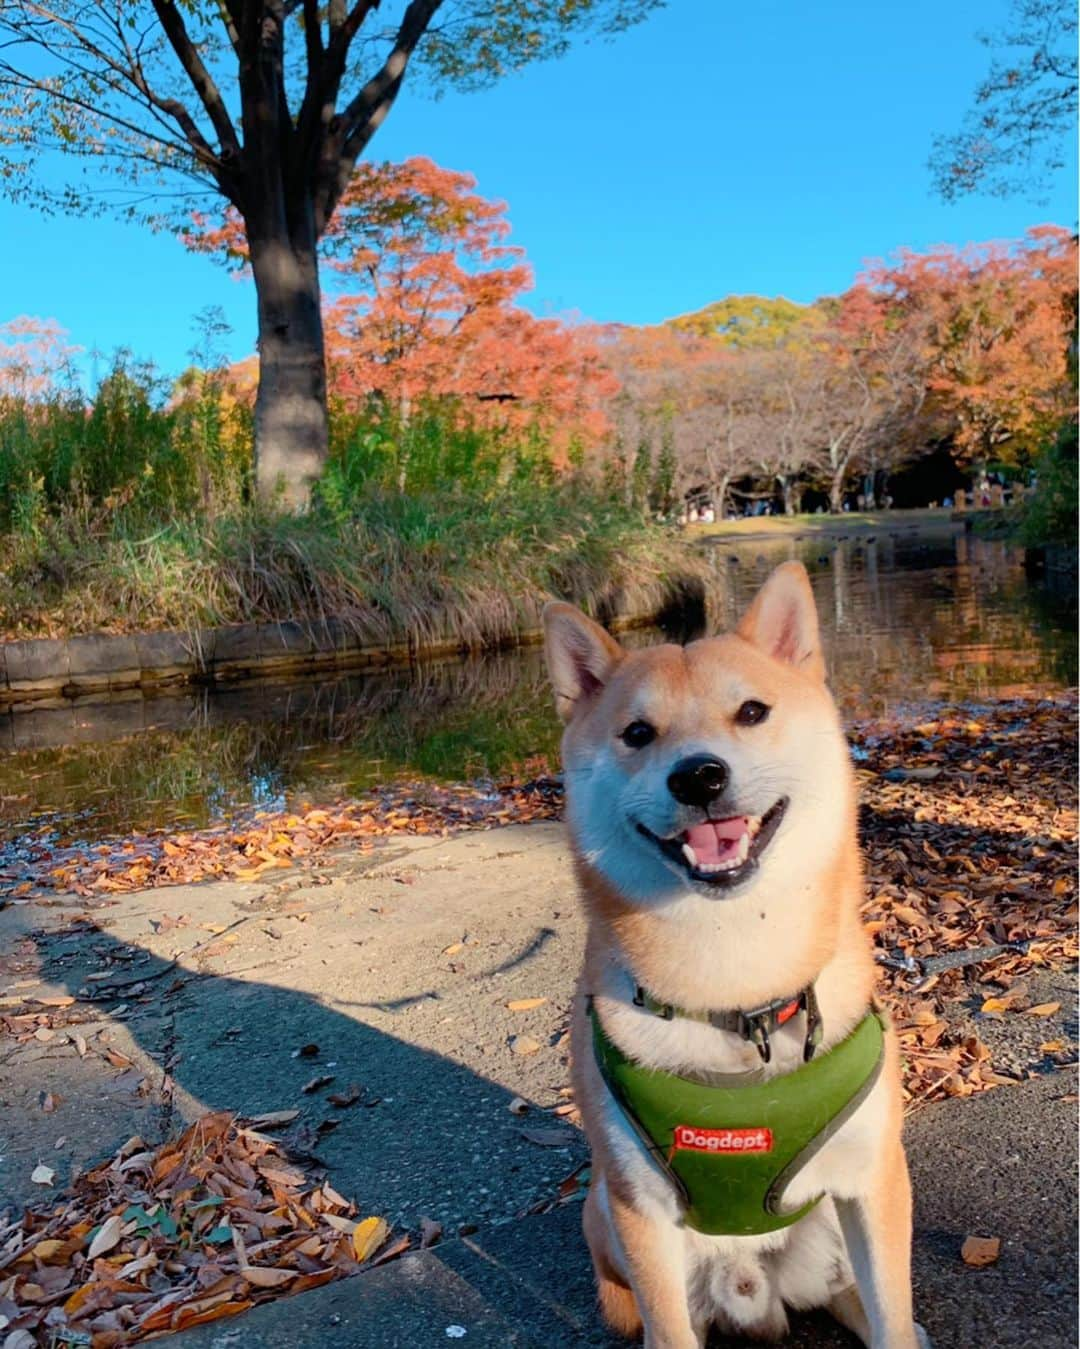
(751, 713)
(638, 734)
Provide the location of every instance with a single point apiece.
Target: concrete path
(392, 971)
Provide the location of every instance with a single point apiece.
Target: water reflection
(905, 621)
(909, 620)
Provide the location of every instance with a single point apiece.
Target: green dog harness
(732, 1145)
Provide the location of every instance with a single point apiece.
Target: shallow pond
(907, 620)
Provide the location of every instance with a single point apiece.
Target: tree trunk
(720, 495)
(787, 488)
(836, 490)
(290, 408)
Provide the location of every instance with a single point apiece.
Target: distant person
(948, 503)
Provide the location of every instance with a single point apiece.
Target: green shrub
(1051, 514)
(137, 512)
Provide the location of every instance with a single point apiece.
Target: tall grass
(135, 512)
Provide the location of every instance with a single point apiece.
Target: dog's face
(705, 769)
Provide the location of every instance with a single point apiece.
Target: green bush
(137, 512)
(1051, 515)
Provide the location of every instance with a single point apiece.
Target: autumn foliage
(992, 324)
(425, 306)
(960, 346)
(439, 377)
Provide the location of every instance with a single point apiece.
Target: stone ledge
(48, 672)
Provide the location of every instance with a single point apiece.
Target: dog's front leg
(655, 1259)
(877, 1232)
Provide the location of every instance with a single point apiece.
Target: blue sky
(718, 148)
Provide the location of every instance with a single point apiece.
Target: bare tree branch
(201, 79)
(354, 127)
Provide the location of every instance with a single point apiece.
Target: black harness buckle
(754, 1027)
(757, 1025)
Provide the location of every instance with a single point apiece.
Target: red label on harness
(691, 1139)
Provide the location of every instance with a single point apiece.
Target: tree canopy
(158, 103)
(1014, 137)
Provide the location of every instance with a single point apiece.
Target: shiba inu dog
(739, 1089)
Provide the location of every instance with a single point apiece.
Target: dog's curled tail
(619, 1308)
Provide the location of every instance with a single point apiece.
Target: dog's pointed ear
(783, 622)
(581, 656)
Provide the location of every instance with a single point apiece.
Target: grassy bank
(833, 526)
(135, 513)
(432, 567)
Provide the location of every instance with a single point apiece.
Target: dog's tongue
(715, 840)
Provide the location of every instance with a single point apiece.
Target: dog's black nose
(698, 780)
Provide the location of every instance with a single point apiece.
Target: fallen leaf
(1044, 1009)
(518, 1106)
(549, 1138)
(525, 1004)
(19, 1339)
(349, 1096)
(46, 1250)
(274, 1120)
(51, 1103)
(524, 1044)
(262, 1277)
(42, 1175)
(430, 1232)
(368, 1237)
(316, 1083)
(980, 1251)
(108, 1236)
(340, 1224)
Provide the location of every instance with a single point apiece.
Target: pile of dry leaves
(969, 824)
(156, 1241)
(266, 842)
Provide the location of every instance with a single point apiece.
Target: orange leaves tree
(263, 105)
(994, 323)
(428, 310)
(967, 346)
(422, 309)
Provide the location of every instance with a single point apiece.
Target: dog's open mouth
(722, 852)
